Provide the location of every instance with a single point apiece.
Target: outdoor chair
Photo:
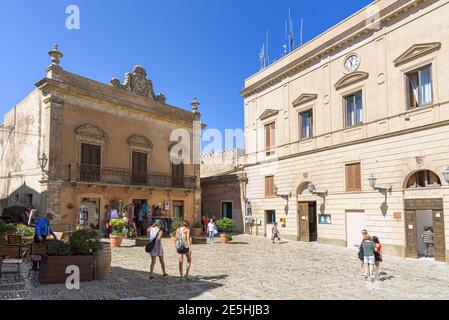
(36, 253)
(12, 255)
(14, 239)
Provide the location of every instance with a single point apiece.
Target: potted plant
(226, 225)
(225, 238)
(197, 229)
(79, 251)
(119, 231)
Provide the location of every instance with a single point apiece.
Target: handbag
(150, 245)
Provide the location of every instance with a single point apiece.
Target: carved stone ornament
(138, 83)
(417, 50)
(351, 79)
(304, 98)
(268, 114)
(91, 132)
(419, 162)
(140, 141)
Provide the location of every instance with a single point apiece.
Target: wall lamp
(43, 160)
(372, 182)
(446, 175)
(283, 196)
(313, 191)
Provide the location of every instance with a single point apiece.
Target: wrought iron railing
(119, 176)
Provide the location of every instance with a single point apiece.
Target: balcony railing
(98, 174)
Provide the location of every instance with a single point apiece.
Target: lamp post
(43, 160)
(313, 191)
(372, 182)
(283, 196)
(446, 175)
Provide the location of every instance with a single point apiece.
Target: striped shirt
(427, 236)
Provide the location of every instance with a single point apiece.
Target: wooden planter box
(197, 232)
(52, 269)
(142, 242)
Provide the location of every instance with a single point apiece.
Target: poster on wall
(325, 219)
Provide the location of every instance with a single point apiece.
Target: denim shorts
(369, 259)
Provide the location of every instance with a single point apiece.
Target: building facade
(75, 144)
(221, 192)
(332, 125)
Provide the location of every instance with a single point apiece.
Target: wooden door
(139, 167)
(90, 162)
(178, 175)
(439, 239)
(303, 215)
(411, 240)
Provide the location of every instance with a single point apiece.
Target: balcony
(117, 176)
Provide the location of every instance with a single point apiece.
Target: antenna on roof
(301, 31)
(291, 34)
(267, 52)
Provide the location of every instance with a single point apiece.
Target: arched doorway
(307, 214)
(423, 204)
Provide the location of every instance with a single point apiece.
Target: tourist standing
(155, 232)
(428, 238)
(184, 247)
(212, 230)
(368, 257)
(275, 232)
(42, 230)
(377, 256)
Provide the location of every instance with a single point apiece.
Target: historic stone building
(74, 144)
(332, 125)
(221, 191)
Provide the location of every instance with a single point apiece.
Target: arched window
(423, 179)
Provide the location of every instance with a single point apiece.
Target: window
(353, 177)
(270, 136)
(269, 192)
(29, 199)
(139, 167)
(178, 175)
(306, 124)
(226, 210)
(423, 179)
(17, 197)
(271, 216)
(419, 87)
(90, 162)
(354, 109)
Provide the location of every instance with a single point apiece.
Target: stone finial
(55, 55)
(195, 105)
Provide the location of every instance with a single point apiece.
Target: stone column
(196, 160)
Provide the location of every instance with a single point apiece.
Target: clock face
(352, 63)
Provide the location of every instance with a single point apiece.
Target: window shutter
(357, 177)
(349, 178)
(269, 186)
(267, 137)
(353, 177)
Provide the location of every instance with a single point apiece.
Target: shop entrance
(90, 213)
(421, 214)
(270, 220)
(308, 225)
(141, 210)
(178, 210)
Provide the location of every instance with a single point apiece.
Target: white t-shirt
(212, 227)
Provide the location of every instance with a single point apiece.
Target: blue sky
(203, 48)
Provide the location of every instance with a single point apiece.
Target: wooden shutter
(353, 177)
(178, 175)
(303, 216)
(139, 167)
(439, 237)
(269, 186)
(410, 233)
(90, 162)
(270, 136)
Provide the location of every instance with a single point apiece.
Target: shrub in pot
(225, 225)
(24, 231)
(119, 231)
(225, 238)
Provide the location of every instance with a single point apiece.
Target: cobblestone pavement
(250, 268)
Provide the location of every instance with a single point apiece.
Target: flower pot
(223, 240)
(197, 232)
(116, 241)
(53, 269)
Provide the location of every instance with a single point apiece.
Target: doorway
(178, 210)
(90, 213)
(308, 222)
(420, 213)
(226, 209)
(270, 219)
(355, 223)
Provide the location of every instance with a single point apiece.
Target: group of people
(370, 253)
(183, 247)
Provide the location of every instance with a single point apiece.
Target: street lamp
(43, 160)
(372, 182)
(283, 196)
(446, 175)
(313, 191)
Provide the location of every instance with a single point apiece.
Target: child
(377, 256)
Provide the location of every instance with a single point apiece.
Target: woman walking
(184, 247)
(368, 257)
(156, 234)
(377, 257)
(212, 230)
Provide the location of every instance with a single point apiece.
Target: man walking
(428, 239)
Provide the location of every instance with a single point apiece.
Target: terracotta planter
(197, 232)
(116, 241)
(53, 269)
(223, 240)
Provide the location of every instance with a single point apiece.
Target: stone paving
(249, 268)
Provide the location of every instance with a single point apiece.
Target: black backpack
(150, 246)
(361, 255)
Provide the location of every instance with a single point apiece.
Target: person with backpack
(184, 247)
(377, 256)
(154, 248)
(368, 257)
